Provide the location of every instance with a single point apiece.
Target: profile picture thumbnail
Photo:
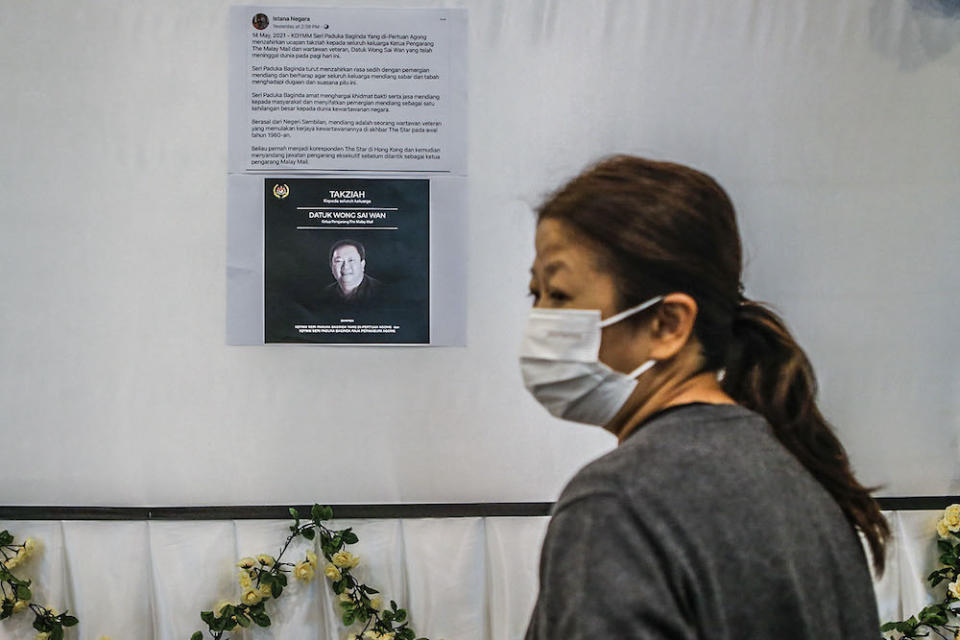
(260, 21)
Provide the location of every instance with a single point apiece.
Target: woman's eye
(559, 296)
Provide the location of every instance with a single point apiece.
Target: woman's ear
(672, 326)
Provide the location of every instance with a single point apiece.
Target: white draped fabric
(460, 578)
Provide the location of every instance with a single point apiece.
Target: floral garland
(262, 578)
(16, 591)
(940, 618)
(265, 577)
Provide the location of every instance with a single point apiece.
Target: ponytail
(768, 372)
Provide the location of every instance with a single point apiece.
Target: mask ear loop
(617, 317)
(636, 373)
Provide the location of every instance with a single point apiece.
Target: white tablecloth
(460, 578)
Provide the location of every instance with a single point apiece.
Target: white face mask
(560, 363)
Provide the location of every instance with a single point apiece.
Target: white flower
(303, 572)
(266, 560)
(951, 517)
(942, 529)
(332, 572)
(345, 559)
(251, 597)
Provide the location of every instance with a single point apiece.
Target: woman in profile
(729, 510)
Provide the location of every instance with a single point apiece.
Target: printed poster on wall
(346, 260)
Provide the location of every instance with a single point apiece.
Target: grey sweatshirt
(701, 525)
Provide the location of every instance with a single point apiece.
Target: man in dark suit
(348, 262)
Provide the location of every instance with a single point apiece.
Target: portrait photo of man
(352, 284)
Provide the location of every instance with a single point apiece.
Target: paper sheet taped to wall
(348, 89)
(346, 260)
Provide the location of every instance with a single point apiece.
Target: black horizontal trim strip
(266, 512)
(372, 511)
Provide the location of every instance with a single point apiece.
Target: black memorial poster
(346, 260)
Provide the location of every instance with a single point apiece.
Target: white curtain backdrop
(460, 578)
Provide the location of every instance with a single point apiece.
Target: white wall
(833, 125)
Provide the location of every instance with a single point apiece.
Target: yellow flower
(345, 597)
(12, 562)
(20, 605)
(245, 580)
(312, 559)
(352, 636)
(345, 559)
(103, 638)
(951, 517)
(303, 571)
(332, 572)
(251, 597)
(42, 636)
(29, 545)
(942, 529)
(954, 588)
(52, 611)
(218, 609)
(264, 590)
(264, 559)
(247, 563)
(376, 602)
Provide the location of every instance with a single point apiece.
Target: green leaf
(348, 618)
(282, 579)
(68, 621)
(276, 589)
(243, 620)
(23, 592)
(944, 547)
(387, 616)
(407, 634)
(888, 626)
(309, 534)
(197, 635)
(339, 587)
(294, 514)
(401, 615)
(6, 537)
(326, 513)
(56, 633)
(350, 537)
(207, 616)
(369, 589)
(260, 619)
(316, 513)
(393, 605)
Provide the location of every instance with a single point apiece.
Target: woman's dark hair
(660, 227)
